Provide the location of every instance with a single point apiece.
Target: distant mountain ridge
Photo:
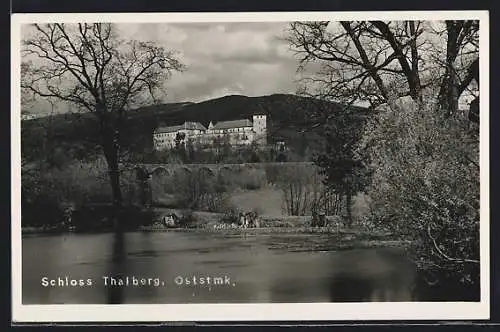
(288, 115)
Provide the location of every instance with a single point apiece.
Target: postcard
(179, 167)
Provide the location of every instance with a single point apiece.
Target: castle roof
(170, 129)
(193, 126)
(233, 124)
(185, 126)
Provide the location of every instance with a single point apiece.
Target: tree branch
(457, 260)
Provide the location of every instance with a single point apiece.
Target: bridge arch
(181, 171)
(204, 170)
(185, 169)
(225, 168)
(161, 171)
(141, 172)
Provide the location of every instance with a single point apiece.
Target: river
(203, 267)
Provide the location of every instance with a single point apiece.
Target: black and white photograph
(250, 166)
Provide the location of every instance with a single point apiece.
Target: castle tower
(260, 128)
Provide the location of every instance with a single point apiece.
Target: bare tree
(462, 45)
(300, 189)
(92, 69)
(375, 61)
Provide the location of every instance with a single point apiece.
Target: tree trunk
(448, 94)
(110, 144)
(114, 177)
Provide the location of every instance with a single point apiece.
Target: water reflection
(261, 268)
(379, 275)
(118, 268)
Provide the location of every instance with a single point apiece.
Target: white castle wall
(245, 136)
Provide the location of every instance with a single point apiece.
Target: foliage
(344, 171)
(216, 201)
(199, 190)
(99, 217)
(186, 219)
(425, 185)
(231, 216)
(39, 208)
(48, 192)
(243, 177)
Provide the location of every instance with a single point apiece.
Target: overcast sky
(222, 58)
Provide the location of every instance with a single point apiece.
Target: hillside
(76, 135)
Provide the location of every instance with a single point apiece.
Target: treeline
(223, 153)
(61, 138)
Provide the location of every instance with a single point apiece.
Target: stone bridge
(148, 175)
(152, 170)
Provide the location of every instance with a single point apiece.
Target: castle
(236, 132)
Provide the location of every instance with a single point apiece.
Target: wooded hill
(290, 118)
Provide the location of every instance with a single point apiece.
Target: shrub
(189, 187)
(187, 219)
(243, 177)
(100, 217)
(425, 185)
(215, 202)
(48, 192)
(43, 210)
(230, 216)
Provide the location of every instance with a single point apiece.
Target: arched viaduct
(154, 170)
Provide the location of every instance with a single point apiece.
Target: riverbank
(201, 221)
(319, 238)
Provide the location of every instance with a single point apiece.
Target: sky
(221, 58)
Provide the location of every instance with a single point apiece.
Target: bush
(100, 217)
(251, 179)
(425, 186)
(41, 211)
(231, 216)
(47, 193)
(187, 219)
(215, 202)
(243, 177)
(189, 186)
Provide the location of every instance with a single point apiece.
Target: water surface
(254, 268)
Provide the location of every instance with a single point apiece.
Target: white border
(247, 312)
